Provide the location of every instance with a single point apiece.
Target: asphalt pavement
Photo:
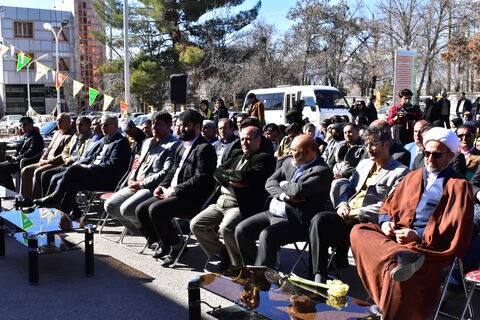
(126, 285)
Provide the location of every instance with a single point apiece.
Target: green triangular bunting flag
(92, 94)
(26, 222)
(22, 60)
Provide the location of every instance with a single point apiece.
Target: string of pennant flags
(42, 71)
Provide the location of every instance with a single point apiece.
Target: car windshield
(15, 118)
(329, 99)
(47, 127)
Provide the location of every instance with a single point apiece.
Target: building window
(23, 29)
(63, 64)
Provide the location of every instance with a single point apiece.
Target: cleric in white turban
(422, 226)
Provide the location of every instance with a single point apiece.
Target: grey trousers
(123, 203)
(225, 213)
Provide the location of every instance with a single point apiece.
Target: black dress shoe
(407, 264)
(170, 258)
(48, 201)
(161, 252)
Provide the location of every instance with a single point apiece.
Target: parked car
(47, 131)
(9, 123)
(40, 120)
(138, 120)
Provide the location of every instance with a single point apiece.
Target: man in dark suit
(104, 173)
(29, 151)
(183, 191)
(299, 189)
(463, 104)
(242, 194)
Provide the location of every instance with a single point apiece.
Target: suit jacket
(313, 186)
(195, 180)
(160, 162)
(467, 106)
(388, 178)
(254, 174)
(114, 161)
(265, 146)
(55, 148)
(472, 160)
(91, 149)
(77, 144)
(31, 146)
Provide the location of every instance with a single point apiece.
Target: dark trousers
(272, 232)
(327, 229)
(6, 170)
(155, 216)
(78, 178)
(46, 178)
(445, 120)
(55, 182)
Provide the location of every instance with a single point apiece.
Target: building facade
(79, 55)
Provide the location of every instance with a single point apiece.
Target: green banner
(22, 61)
(26, 222)
(92, 95)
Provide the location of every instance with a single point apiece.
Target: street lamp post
(28, 78)
(47, 26)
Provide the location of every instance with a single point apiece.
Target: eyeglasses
(372, 145)
(466, 135)
(435, 155)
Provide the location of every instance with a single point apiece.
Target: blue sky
(272, 11)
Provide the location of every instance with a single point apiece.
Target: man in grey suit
(299, 188)
(374, 179)
(151, 167)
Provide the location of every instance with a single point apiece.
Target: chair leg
(467, 294)
(300, 256)
(184, 246)
(445, 286)
(468, 305)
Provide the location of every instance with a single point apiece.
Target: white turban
(444, 136)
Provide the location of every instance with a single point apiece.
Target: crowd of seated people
(404, 206)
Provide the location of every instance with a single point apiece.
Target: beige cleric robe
(447, 235)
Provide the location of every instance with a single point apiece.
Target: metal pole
(28, 84)
(59, 110)
(125, 49)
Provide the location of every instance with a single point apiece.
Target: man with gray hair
(209, 129)
(155, 161)
(30, 185)
(104, 173)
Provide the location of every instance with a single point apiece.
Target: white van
(321, 102)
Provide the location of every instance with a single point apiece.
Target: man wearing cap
(423, 225)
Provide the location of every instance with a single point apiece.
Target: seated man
(104, 173)
(299, 189)
(226, 138)
(87, 156)
(30, 150)
(242, 179)
(466, 136)
(373, 180)
(347, 153)
(156, 160)
(30, 185)
(183, 191)
(146, 126)
(209, 131)
(424, 224)
(70, 153)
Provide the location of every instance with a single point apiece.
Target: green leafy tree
(168, 37)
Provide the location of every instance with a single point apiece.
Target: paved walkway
(126, 285)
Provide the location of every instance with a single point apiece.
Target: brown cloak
(447, 235)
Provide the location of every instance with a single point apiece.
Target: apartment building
(79, 55)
